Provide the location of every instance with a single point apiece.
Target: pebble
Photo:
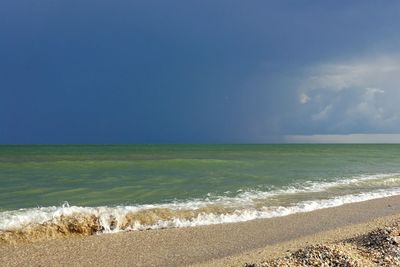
(380, 247)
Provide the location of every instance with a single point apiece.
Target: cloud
(323, 114)
(355, 96)
(368, 106)
(359, 73)
(348, 138)
(303, 98)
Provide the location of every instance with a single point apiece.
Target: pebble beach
(301, 239)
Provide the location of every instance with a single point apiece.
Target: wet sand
(215, 245)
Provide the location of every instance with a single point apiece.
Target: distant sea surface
(134, 187)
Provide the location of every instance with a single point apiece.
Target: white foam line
(267, 212)
(306, 187)
(17, 219)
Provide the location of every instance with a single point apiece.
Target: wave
(63, 221)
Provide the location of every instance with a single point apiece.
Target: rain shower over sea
(112, 188)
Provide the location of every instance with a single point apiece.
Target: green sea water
(111, 175)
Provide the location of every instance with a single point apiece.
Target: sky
(123, 71)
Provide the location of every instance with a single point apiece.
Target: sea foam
(60, 221)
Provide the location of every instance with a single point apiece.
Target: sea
(94, 189)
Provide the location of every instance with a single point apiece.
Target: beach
(231, 244)
(181, 205)
(188, 133)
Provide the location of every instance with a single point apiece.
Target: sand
(215, 245)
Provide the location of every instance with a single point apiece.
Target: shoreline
(211, 245)
(286, 248)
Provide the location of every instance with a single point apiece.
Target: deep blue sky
(96, 71)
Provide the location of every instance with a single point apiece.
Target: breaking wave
(27, 225)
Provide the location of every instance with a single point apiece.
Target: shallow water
(131, 187)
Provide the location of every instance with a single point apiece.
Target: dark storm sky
(96, 71)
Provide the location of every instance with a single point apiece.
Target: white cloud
(345, 139)
(303, 98)
(355, 94)
(357, 73)
(367, 105)
(323, 114)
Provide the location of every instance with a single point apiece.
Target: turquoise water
(236, 178)
(32, 176)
